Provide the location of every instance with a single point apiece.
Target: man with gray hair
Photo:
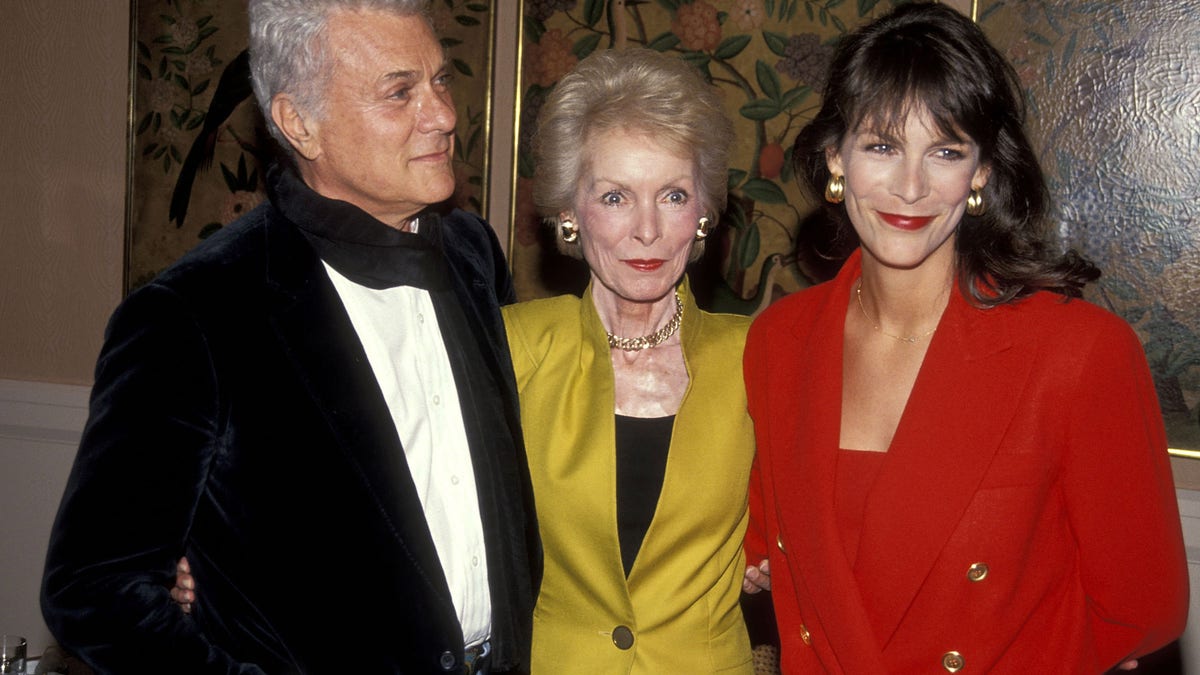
(315, 405)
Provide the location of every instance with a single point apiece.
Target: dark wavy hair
(929, 57)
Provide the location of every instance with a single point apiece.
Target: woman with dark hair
(960, 464)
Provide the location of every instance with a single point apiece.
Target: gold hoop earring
(569, 231)
(835, 190)
(703, 228)
(975, 205)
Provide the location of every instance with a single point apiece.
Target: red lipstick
(644, 265)
(900, 222)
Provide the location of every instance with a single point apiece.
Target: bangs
(924, 79)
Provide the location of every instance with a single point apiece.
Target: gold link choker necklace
(654, 339)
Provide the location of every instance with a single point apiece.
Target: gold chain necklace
(910, 339)
(654, 339)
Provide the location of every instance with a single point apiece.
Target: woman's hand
(185, 586)
(757, 578)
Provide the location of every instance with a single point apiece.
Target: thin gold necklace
(636, 344)
(910, 339)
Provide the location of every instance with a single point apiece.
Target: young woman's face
(637, 208)
(905, 195)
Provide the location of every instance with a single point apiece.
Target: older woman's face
(637, 208)
(906, 195)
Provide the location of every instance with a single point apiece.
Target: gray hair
(288, 51)
(635, 89)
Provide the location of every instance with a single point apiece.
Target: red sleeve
(1121, 503)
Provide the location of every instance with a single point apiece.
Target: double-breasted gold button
(622, 637)
(779, 543)
(952, 662)
(805, 636)
(977, 572)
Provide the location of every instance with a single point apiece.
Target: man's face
(386, 138)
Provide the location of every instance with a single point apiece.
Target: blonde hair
(638, 90)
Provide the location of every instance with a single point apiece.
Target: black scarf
(356, 244)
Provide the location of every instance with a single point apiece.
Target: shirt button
(454, 480)
(805, 636)
(447, 661)
(420, 318)
(437, 400)
(952, 662)
(779, 543)
(474, 561)
(977, 572)
(622, 637)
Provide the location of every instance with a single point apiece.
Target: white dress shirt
(398, 329)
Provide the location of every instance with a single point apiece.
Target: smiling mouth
(644, 265)
(439, 156)
(905, 222)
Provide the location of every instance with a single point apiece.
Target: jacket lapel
(959, 408)
(317, 337)
(805, 409)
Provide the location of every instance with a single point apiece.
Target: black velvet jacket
(235, 419)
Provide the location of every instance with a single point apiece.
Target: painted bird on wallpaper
(232, 89)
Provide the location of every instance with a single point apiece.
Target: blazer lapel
(840, 628)
(959, 407)
(316, 335)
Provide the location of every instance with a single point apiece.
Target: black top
(642, 444)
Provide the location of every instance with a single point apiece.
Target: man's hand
(757, 578)
(184, 591)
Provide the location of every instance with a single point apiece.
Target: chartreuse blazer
(678, 611)
(1024, 518)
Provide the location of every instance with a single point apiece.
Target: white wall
(1189, 513)
(40, 425)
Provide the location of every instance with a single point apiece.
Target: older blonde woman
(632, 401)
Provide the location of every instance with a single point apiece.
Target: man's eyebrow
(402, 75)
(413, 74)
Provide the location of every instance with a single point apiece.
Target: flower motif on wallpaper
(748, 15)
(243, 193)
(552, 57)
(174, 68)
(697, 26)
(805, 59)
(540, 10)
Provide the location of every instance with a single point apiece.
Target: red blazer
(1024, 520)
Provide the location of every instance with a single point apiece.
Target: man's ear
(300, 129)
